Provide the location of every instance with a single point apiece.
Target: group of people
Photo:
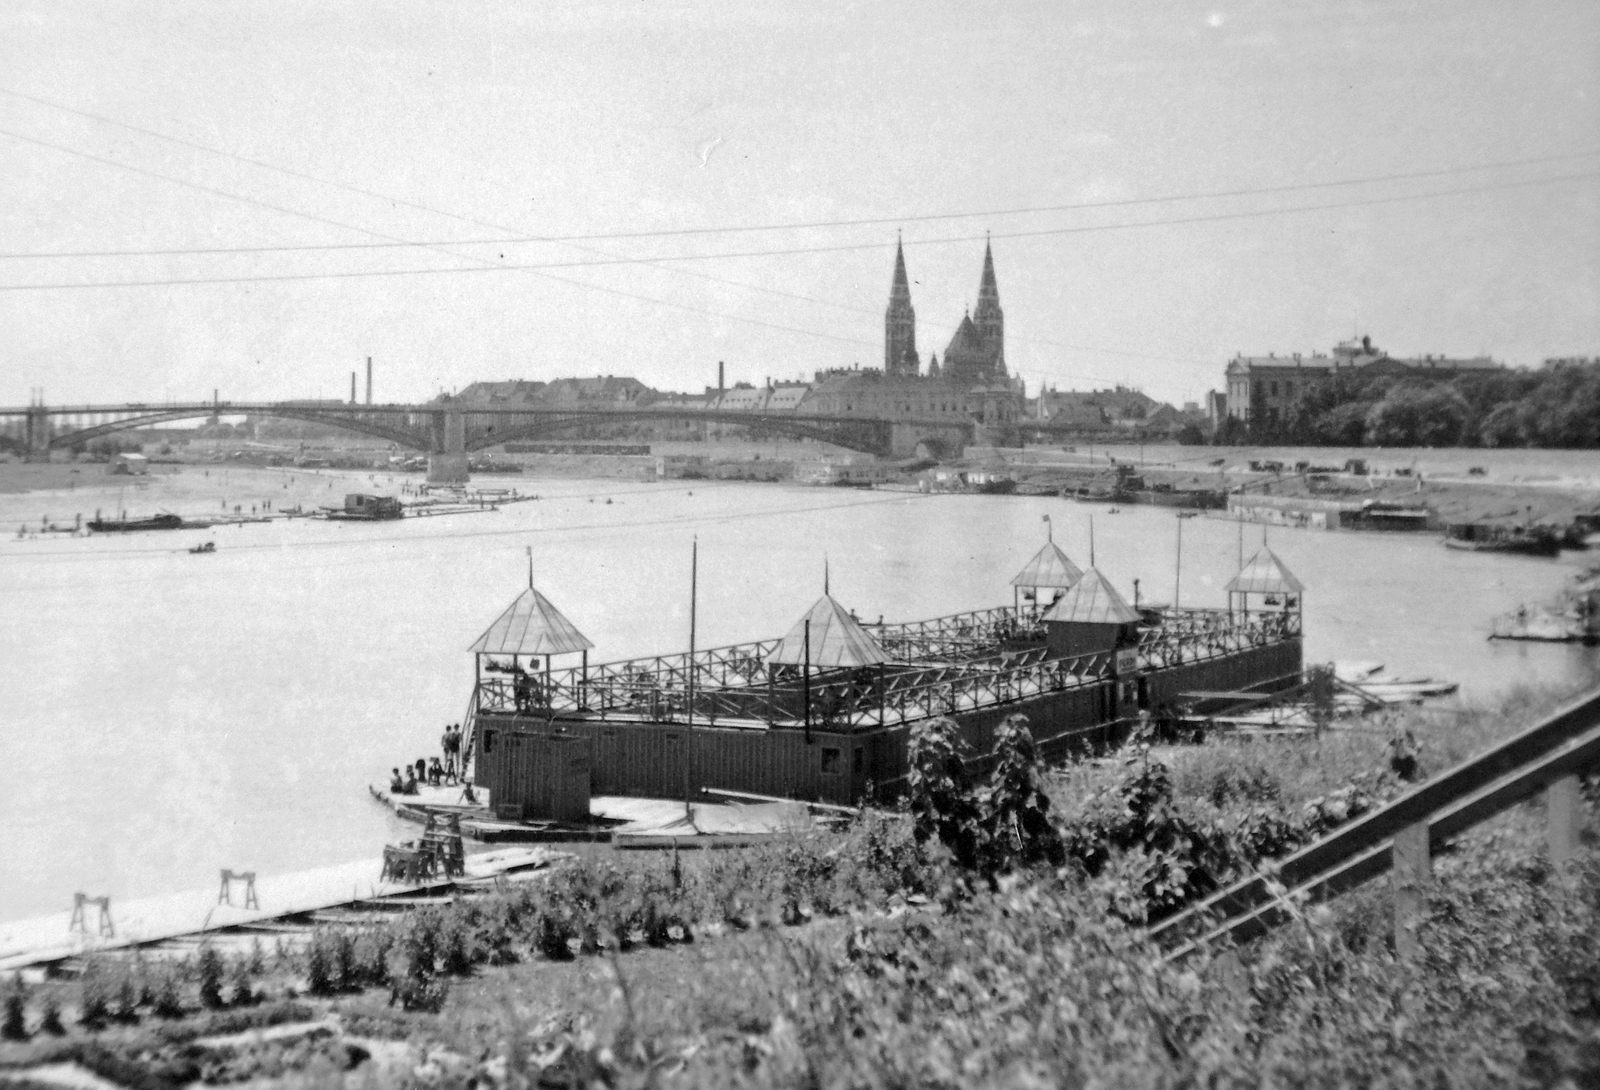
(433, 771)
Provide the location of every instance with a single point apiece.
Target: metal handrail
(1563, 744)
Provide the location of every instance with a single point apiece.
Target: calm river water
(167, 715)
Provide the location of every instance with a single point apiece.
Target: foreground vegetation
(988, 936)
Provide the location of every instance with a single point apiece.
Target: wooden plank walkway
(144, 920)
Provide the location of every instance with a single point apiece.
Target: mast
(688, 749)
(1177, 576)
(805, 681)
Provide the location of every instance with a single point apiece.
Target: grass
(865, 959)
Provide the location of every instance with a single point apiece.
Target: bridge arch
(409, 438)
(865, 436)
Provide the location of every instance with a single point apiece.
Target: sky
(489, 190)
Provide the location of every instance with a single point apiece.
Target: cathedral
(971, 387)
(977, 352)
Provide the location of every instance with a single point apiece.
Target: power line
(747, 228)
(658, 263)
(388, 199)
(543, 267)
(482, 264)
(516, 240)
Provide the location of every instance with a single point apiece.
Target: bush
(50, 1019)
(94, 1006)
(320, 963)
(209, 968)
(13, 1024)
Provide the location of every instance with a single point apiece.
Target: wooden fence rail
(1404, 835)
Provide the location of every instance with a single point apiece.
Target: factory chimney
(352, 387)
(720, 387)
(369, 380)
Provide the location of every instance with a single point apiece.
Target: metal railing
(941, 666)
(1196, 635)
(1404, 835)
(958, 635)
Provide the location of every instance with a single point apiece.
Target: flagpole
(688, 749)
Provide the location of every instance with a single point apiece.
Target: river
(168, 715)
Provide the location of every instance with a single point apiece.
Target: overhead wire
(481, 264)
(781, 226)
(656, 263)
(541, 267)
(693, 273)
(671, 262)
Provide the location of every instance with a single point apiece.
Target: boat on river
(1478, 537)
(128, 526)
(204, 547)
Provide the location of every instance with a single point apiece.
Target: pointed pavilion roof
(1048, 568)
(837, 639)
(531, 626)
(1092, 600)
(1265, 574)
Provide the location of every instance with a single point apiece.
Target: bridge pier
(941, 441)
(447, 462)
(36, 428)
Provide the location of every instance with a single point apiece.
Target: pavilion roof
(1265, 574)
(1048, 568)
(1092, 600)
(531, 626)
(837, 639)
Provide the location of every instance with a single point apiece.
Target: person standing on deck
(447, 746)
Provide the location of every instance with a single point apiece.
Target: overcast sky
(478, 129)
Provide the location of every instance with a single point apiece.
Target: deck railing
(941, 666)
(1195, 635)
(959, 635)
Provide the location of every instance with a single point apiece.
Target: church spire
(900, 322)
(990, 319)
(901, 288)
(987, 288)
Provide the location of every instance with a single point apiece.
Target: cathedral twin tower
(976, 354)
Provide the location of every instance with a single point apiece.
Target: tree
(1432, 416)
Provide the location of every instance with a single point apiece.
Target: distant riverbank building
(1267, 388)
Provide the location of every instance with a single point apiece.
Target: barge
(824, 713)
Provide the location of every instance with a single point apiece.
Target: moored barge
(824, 713)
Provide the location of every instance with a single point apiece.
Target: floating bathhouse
(824, 712)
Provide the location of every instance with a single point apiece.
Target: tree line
(1556, 406)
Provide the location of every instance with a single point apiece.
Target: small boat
(204, 547)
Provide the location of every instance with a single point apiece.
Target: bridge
(449, 430)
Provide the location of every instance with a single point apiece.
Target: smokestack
(369, 380)
(352, 387)
(720, 387)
